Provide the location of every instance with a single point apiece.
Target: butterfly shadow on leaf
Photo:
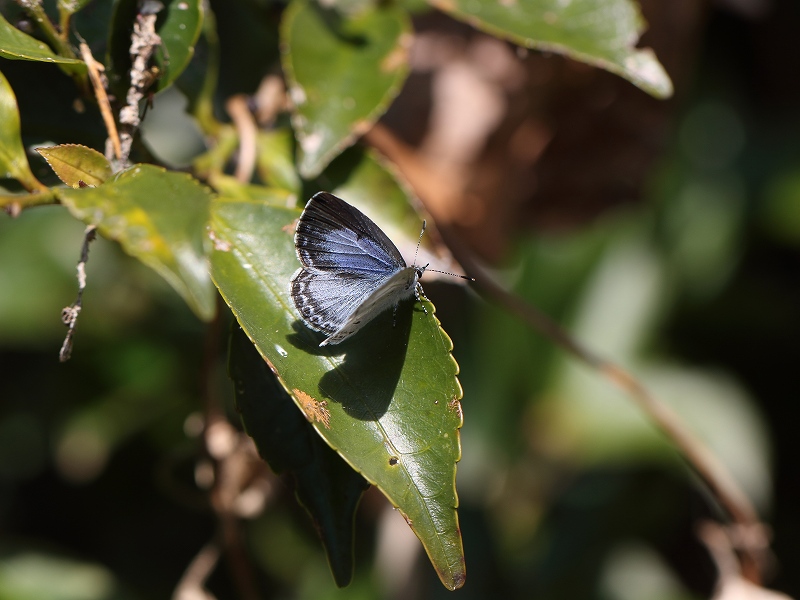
(364, 383)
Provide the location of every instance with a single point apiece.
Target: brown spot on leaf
(455, 406)
(314, 409)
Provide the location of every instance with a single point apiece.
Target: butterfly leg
(420, 296)
(394, 316)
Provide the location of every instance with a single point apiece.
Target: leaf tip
(649, 72)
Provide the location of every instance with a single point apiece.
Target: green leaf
(342, 71)
(160, 218)
(179, 25)
(199, 81)
(179, 33)
(326, 485)
(387, 399)
(74, 164)
(16, 45)
(13, 162)
(602, 33)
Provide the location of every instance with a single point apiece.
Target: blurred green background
(566, 490)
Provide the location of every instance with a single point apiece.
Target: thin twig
(144, 41)
(14, 204)
(69, 315)
(192, 584)
(99, 82)
(239, 111)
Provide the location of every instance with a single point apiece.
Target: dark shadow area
(373, 361)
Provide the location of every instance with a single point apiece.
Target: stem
(70, 314)
(64, 18)
(14, 204)
(57, 40)
(247, 128)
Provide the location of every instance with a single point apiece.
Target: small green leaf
(326, 485)
(159, 217)
(387, 399)
(179, 33)
(74, 164)
(16, 45)
(13, 162)
(343, 71)
(179, 24)
(602, 33)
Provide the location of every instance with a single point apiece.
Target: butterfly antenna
(419, 241)
(451, 274)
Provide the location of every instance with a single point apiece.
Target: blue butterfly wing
(351, 270)
(331, 234)
(327, 298)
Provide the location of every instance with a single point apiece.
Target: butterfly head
(420, 270)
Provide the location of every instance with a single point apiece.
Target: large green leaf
(343, 71)
(16, 45)
(13, 162)
(326, 485)
(387, 399)
(159, 217)
(598, 32)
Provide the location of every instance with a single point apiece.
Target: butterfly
(351, 270)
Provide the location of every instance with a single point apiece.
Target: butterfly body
(351, 270)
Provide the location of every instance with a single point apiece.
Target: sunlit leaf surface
(603, 33)
(74, 164)
(16, 45)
